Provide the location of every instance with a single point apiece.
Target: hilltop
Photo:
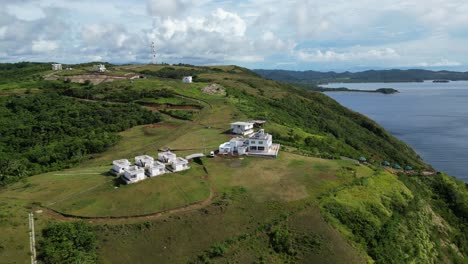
(314, 203)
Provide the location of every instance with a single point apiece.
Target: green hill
(313, 204)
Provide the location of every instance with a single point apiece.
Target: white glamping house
(242, 128)
(118, 166)
(99, 68)
(167, 157)
(56, 67)
(134, 174)
(156, 169)
(187, 79)
(144, 161)
(258, 144)
(260, 141)
(234, 146)
(180, 164)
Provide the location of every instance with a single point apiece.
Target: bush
(65, 243)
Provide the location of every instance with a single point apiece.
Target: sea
(430, 117)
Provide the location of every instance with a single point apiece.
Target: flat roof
(242, 123)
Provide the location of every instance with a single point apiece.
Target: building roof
(243, 123)
(225, 145)
(260, 135)
(180, 160)
(144, 158)
(158, 164)
(134, 170)
(166, 153)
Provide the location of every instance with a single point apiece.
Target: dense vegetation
(299, 77)
(44, 132)
(425, 216)
(21, 71)
(67, 243)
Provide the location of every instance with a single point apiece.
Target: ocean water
(430, 117)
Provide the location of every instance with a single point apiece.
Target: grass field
(251, 194)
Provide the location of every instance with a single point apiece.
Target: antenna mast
(153, 53)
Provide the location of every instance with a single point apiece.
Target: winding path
(189, 207)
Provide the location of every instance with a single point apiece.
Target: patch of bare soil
(94, 78)
(214, 89)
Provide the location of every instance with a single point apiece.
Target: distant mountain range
(316, 77)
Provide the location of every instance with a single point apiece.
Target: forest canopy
(44, 132)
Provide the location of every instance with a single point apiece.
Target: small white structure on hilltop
(99, 68)
(180, 164)
(144, 161)
(133, 174)
(57, 67)
(234, 146)
(187, 79)
(242, 128)
(118, 166)
(156, 169)
(167, 157)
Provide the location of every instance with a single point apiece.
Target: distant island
(389, 76)
(344, 89)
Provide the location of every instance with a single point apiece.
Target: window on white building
(260, 142)
(252, 142)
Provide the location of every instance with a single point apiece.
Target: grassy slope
(254, 196)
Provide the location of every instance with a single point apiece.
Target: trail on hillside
(190, 207)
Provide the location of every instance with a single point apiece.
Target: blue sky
(295, 34)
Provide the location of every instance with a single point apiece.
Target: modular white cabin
(187, 79)
(144, 161)
(180, 164)
(99, 68)
(133, 174)
(57, 67)
(167, 157)
(260, 142)
(118, 166)
(242, 128)
(156, 169)
(234, 146)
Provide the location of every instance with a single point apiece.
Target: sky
(258, 34)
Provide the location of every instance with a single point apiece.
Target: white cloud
(44, 46)
(353, 55)
(313, 33)
(441, 63)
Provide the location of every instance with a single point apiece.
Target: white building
(180, 164)
(234, 146)
(118, 166)
(167, 157)
(133, 174)
(156, 169)
(144, 161)
(99, 68)
(57, 67)
(242, 128)
(187, 79)
(260, 142)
